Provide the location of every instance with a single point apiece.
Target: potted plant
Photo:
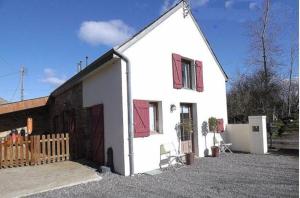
(213, 123)
(187, 126)
(204, 133)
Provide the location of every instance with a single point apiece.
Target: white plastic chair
(168, 156)
(225, 147)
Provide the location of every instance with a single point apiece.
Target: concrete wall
(152, 80)
(239, 136)
(251, 137)
(103, 86)
(259, 144)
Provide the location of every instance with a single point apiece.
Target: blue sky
(49, 37)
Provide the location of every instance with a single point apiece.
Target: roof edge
(140, 34)
(8, 103)
(208, 45)
(77, 77)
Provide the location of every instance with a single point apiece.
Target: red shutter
(199, 76)
(141, 118)
(177, 75)
(220, 127)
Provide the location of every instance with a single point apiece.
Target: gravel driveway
(231, 175)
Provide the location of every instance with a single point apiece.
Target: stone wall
(66, 114)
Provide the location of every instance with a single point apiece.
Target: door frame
(193, 115)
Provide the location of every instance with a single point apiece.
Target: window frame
(191, 81)
(157, 119)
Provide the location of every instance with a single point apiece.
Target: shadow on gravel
(286, 152)
(88, 163)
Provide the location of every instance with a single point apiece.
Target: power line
(4, 61)
(15, 91)
(8, 74)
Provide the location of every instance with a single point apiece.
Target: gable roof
(158, 21)
(109, 54)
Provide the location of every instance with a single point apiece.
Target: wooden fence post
(58, 146)
(67, 146)
(11, 153)
(43, 149)
(32, 148)
(20, 140)
(53, 148)
(63, 147)
(48, 148)
(5, 152)
(27, 150)
(38, 142)
(1, 153)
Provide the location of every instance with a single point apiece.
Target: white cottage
(142, 89)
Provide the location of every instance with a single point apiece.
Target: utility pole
(22, 72)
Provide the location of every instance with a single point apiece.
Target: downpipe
(129, 110)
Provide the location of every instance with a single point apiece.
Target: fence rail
(34, 150)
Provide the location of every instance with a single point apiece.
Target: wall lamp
(173, 108)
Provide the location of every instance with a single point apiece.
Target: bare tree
(293, 54)
(265, 53)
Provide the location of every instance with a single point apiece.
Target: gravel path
(231, 175)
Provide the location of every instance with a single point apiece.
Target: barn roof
(23, 105)
(2, 101)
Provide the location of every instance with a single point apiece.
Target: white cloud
(229, 4)
(50, 77)
(167, 4)
(252, 5)
(108, 33)
(199, 3)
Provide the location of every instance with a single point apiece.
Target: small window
(186, 74)
(153, 117)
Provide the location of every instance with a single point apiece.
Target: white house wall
(103, 86)
(152, 79)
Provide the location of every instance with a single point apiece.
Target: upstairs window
(187, 73)
(186, 70)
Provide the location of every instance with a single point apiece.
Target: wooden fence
(34, 150)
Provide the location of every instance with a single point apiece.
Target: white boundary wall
(239, 136)
(250, 137)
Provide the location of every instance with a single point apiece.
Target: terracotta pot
(215, 151)
(190, 158)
